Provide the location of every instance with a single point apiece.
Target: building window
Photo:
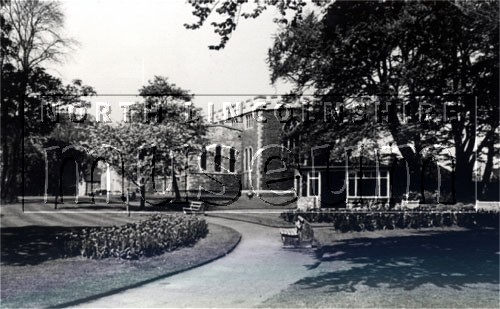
(291, 143)
(218, 161)
(218, 158)
(368, 184)
(232, 159)
(247, 158)
(248, 121)
(313, 183)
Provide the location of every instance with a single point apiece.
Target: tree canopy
(31, 37)
(404, 54)
(228, 12)
(157, 132)
(426, 56)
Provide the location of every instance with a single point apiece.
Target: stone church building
(252, 151)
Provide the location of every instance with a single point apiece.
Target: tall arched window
(218, 158)
(232, 159)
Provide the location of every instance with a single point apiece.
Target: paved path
(256, 270)
(453, 269)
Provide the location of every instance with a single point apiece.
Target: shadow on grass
(68, 282)
(120, 207)
(165, 205)
(31, 245)
(450, 259)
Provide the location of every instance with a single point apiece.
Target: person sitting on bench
(299, 223)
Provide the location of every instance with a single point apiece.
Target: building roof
(258, 103)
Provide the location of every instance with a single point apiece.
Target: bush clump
(346, 220)
(156, 235)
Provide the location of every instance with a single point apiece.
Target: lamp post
(453, 192)
(186, 150)
(391, 176)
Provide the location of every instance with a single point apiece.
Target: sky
(125, 43)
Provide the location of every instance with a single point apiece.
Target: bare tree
(36, 32)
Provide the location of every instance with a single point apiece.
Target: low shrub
(346, 220)
(156, 235)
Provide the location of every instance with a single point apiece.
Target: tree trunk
(463, 178)
(24, 86)
(4, 172)
(10, 170)
(488, 168)
(412, 157)
(143, 196)
(175, 186)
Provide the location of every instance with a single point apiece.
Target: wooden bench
(291, 232)
(301, 236)
(194, 208)
(410, 204)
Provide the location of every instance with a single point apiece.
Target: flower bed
(347, 220)
(153, 236)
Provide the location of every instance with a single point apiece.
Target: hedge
(354, 220)
(156, 235)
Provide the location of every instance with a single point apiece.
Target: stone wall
(211, 182)
(249, 141)
(275, 163)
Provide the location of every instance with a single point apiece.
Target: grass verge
(328, 236)
(67, 282)
(449, 267)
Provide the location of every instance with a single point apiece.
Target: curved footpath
(257, 269)
(452, 269)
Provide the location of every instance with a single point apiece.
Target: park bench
(410, 204)
(301, 236)
(194, 208)
(406, 202)
(290, 232)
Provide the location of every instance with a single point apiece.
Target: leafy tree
(230, 11)
(46, 93)
(411, 53)
(404, 53)
(61, 146)
(157, 131)
(30, 38)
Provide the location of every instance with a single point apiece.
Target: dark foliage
(153, 236)
(361, 220)
(28, 91)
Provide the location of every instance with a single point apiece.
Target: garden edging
(143, 282)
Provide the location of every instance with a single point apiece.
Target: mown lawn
(456, 268)
(35, 277)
